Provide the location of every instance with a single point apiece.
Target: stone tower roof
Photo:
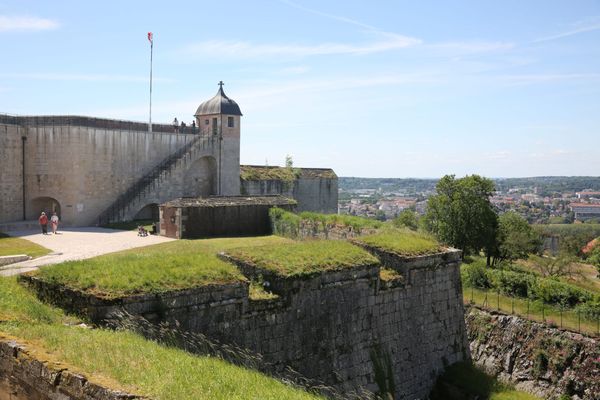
(220, 104)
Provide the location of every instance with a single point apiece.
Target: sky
(368, 88)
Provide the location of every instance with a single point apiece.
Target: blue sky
(369, 88)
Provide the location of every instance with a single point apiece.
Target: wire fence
(555, 316)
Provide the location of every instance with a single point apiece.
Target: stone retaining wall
(343, 327)
(22, 377)
(547, 362)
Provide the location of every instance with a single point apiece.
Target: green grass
(18, 304)
(168, 266)
(464, 381)
(305, 258)
(125, 361)
(402, 242)
(10, 246)
(387, 274)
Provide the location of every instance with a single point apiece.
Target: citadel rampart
(346, 327)
(78, 166)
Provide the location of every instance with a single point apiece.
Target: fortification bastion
(344, 325)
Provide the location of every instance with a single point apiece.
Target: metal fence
(554, 316)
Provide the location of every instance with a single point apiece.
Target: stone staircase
(117, 211)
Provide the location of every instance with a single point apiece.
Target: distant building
(585, 211)
(587, 194)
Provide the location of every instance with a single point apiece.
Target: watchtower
(220, 117)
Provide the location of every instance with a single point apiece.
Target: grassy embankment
(174, 265)
(10, 246)
(125, 361)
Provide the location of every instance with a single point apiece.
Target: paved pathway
(77, 244)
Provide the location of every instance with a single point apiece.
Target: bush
(555, 292)
(475, 275)
(521, 284)
(512, 283)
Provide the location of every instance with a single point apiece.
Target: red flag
(150, 36)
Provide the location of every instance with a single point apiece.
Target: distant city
(540, 200)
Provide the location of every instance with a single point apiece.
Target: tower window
(205, 122)
(230, 122)
(214, 126)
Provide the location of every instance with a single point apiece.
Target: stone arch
(148, 212)
(48, 205)
(200, 180)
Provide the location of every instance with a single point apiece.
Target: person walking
(175, 125)
(43, 220)
(54, 221)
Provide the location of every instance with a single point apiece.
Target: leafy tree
(554, 266)
(407, 218)
(516, 238)
(461, 214)
(289, 162)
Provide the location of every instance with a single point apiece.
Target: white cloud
(242, 49)
(83, 77)
(26, 24)
(589, 25)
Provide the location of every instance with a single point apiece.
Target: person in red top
(43, 223)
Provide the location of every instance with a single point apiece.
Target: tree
(407, 218)
(289, 162)
(516, 238)
(461, 215)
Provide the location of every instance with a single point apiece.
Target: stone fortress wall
(347, 328)
(81, 169)
(315, 189)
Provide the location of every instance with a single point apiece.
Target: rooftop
(220, 104)
(230, 201)
(263, 172)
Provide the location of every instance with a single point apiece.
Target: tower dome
(220, 104)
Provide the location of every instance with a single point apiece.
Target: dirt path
(77, 244)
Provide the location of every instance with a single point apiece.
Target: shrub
(512, 283)
(475, 275)
(555, 292)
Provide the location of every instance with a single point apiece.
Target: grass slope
(174, 265)
(10, 246)
(305, 258)
(125, 361)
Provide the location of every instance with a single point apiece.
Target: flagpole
(151, 48)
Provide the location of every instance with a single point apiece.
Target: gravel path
(77, 244)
